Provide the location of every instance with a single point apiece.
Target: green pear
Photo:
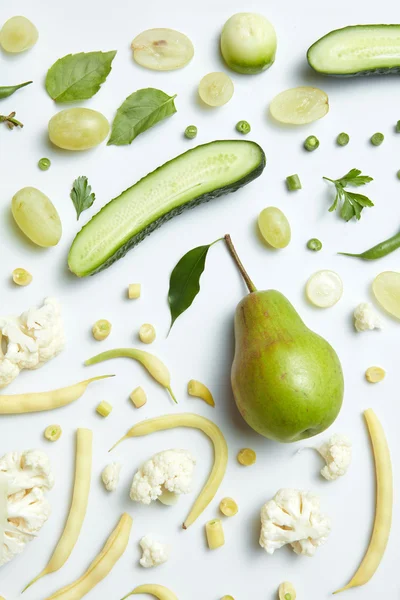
(287, 380)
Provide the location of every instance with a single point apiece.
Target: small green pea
(314, 244)
(191, 132)
(377, 139)
(342, 139)
(44, 164)
(311, 143)
(243, 127)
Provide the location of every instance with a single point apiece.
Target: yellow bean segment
(138, 397)
(39, 401)
(215, 534)
(220, 452)
(199, 390)
(158, 591)
(102, 564)
(77, 511)
(384, 504)
(104, 409)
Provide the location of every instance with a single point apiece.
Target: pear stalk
(250, 285)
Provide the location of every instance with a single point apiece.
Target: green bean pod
(380, 250)
(8, 90)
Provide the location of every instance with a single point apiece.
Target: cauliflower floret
(293, 517)
(337, 454)
(110, 476)
(26, 470)
(168, 471)
(154, 552)
(366, 317)
(28, 341)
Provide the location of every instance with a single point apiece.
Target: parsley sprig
(352, 203)
(82, 195)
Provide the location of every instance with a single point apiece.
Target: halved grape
(216, 89)
(162, 49)
(324, 289)
(274, 227)
(386, 288)
(37, 217)
(299, 106)
(18, 34)
(78, 128)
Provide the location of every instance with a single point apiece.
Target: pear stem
(231, 248)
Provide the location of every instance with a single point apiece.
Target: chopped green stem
(191, 132)
(10, 121)
(243, 127)
(44, 164)
(293, 183)
(250, 285)
(314, 244)
(377, 139)
(398, 127)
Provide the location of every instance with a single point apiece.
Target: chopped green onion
(342, 139)
(243, 127)
(314, 244)
(311, 143)
(377, 139)
(293, 182)
(191, 132)
(44, 164)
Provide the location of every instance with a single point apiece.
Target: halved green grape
(386, 289)
(299, 106)
(274, 227)
(216, 89)
(78, 128)
(37, 217)
(248, 43)
(18, 34)
(324, 289)
(162, 49)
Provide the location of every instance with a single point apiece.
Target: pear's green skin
(287, 380)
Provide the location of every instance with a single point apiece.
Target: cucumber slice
(357, 50)
(197, 176)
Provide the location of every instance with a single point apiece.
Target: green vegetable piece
(140, 111)
(44, 164)
(191, 132)
(311, 143)
(82, 195)
(314, 244)
(398, 127)
(8, 90)
(293, 183)
(10, 120)
(380, 250)
(398, 174)
(377, 139)
(78, 76)
(353, 203)
(342, 139)
(184, 283)
(243, 127)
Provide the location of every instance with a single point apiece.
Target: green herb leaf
(82, 195)
(8, 90)
(353, 203)
(184, 283)
(140, 111)
(78, 76)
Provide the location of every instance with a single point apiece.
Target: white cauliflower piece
(168, 471)
(30, 340)
(154, 552)
(337, 453)
(366, 318)
(27, 475)
(110, 476)
(293, 517)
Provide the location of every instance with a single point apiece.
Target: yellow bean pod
(102, 564)
(39, 401)
(199, 390)
(384, 504)
(158, 591)
(220, 452)
(77, 511)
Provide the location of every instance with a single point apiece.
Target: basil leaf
(8, 90)
(78, 76)
(82, 195)
(184, 283)
(140, 111)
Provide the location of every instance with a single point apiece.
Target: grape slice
(386, 289)
(216, 89)
(299, 106)
(274, 227)
(162, 49)
(18, 34)
(324, 289)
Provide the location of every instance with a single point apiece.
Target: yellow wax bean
(199, 390)
(215, 534)
(158, 591)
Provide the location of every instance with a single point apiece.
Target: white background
(201, 343)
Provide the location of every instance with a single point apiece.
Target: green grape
(162, 49)
(274, 227)
(37, 217)
(216, 89)
(18, 34)
(299, 106)
(78, 128)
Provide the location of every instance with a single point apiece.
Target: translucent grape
(78, 128)
(324, 289)
(216, 89)
(300, 105)
(18, 34)
(274, 227)
(162, 49)
(386, 289)
(37, 217)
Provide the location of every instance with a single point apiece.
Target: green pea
(342, 139)
(377, 139)
(44, 164)
(311, 143)
(314, 244)
(243, 127)
(191, 132)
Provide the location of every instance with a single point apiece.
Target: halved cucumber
(357, 50)
(203, 173)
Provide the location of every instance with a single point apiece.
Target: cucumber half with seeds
(197, 176)
(357, 50)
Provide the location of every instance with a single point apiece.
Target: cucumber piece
(197, 176)
(357, 50)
